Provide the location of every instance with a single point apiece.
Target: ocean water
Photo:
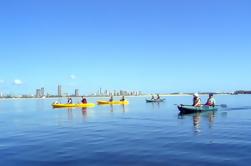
(32, 133)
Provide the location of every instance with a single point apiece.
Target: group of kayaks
(184, 109)
(88, 105)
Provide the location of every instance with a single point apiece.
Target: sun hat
(196, 95)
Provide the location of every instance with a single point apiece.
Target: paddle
(221, 105)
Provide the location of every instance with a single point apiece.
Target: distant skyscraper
(100, 91)
(76, 92)
(59, 90)
(42, 92)
(38, 93)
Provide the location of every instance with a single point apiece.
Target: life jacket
(210, 102)
(70, 101)
(197, 102)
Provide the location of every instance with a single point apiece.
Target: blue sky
(148, 45)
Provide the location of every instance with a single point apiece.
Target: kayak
(73, 105)
(192, 109)
(155, 101)
(113, 102)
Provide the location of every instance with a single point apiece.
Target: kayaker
(158, 97)
(69, 101)
(111, 99)
(123, 98)
(84, 101)
(196, 100)
(211, 100)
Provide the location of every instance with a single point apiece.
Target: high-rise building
(38, 93)
(59, 90)
(42, 92)
(76, 93)
(106, 93)
(100, 91)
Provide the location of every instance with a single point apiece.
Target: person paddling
(69, 101)
(84, 101)
(158, 97)
(211, 102)
(196, 100)
(111, 99)
(123, 98)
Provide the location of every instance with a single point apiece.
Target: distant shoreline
(141, 96)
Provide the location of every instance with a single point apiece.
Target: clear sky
(148, 45)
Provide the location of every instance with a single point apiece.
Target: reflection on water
(70, 114)
(155, 106)
(199, 118)
(124, 108)
(84, 113)
(74, 113)
(211, 118)
(196, 123)
(113, 108)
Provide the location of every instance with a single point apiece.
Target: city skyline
(60, 92)
(154, 46)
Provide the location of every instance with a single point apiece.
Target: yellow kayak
(113, 102)
(73, 105)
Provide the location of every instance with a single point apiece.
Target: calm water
(32, 133)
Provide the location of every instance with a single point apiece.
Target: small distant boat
(155, 101)
(73, 105)
(113, 102)
(191, 109)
